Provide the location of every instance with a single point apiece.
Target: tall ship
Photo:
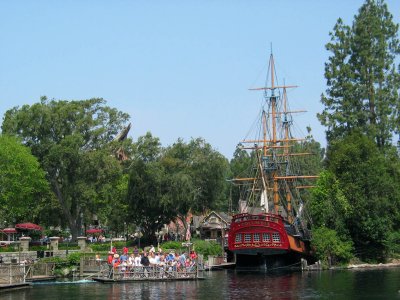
(272, 228)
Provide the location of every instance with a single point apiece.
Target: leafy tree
(329, 206)
(197, 174)
(307, 160)
(166, 184)
(330, 248)
(241, 165)
(71, 141)
(146, 190)
(112, 206)
(369, 180)
(362, 77)
(23, 187)
(146, 187)
(148, 148)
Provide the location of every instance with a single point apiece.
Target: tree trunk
(74, 222)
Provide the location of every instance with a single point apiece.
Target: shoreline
(393, 264)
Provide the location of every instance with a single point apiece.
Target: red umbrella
(9, 230)
(94, 230)
(29, 226)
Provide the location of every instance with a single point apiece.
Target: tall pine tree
(362, 77)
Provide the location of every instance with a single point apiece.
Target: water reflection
(345, 284)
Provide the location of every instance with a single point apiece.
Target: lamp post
(138, 235)
(159, 234)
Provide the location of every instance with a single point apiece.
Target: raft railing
(156, 272)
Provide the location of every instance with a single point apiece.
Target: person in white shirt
(131, 260)
(137, 261)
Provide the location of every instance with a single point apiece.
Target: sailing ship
(271, 229)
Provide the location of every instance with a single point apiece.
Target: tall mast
(274, 142)
(273, 174)
(286, 154)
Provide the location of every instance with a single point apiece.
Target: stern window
(266, 237)
(276, 237)
(247, 237)
(238, 238)
(256, 237)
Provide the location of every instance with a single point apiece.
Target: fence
(12, 274)
(39, 269)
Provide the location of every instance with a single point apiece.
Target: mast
(286, 155)
(274, 178)
(274, 142)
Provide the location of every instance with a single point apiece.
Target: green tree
(71, 141)
(166, 184)
(330, 248)
(369, 180)
(145, 198)
(112, 206)
(148, 148)
(195, 176)
(241, 166)
(362, 77)
(329, 206)
(147, 187)
(201, 170)
(23, 187)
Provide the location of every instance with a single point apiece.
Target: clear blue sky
(179, 68)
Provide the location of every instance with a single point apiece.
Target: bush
(172, 245)
(74, 258)
(69, 246)
(9, 248)
(330, 248)
(392, 243)
(37, 248)
(102, 247)
(207, 248)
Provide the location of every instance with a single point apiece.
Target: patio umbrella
(9, 230)
(94, 230)
(29, 226)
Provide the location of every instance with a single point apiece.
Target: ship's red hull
(264, 235)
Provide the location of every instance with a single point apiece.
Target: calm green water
(346, 284)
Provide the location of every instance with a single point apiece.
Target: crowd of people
(171, 261)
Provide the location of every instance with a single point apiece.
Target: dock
(12, 277)
(221, 266)
(14, 286)
(37, 278)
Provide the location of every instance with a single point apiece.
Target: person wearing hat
(116, 260)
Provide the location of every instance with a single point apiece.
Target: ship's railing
(149, 273)
(263, 217)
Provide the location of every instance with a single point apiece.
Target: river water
(339, 284)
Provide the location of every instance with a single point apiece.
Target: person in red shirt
(110, 257)
(193, 255)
